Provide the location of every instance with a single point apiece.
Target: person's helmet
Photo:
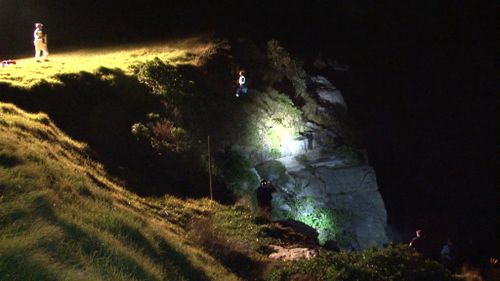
(241, 72)
(38, 25)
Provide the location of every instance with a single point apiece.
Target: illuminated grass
(26, 72)
(61, 218)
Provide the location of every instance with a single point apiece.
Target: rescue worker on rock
(264, 198)
(242, 87)
(40, 42)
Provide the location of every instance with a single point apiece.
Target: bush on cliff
(393, 263)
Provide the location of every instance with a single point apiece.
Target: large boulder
(327, 92)
(342, 203)
(291, 254)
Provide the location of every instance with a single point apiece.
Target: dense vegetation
(393, 263)
(149, 126)
(65, 216)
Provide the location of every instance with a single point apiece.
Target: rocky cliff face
(323, 183)
(341, 202)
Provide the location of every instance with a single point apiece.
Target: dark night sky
(422, 88)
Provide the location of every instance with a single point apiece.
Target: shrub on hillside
(329, 223)
(162, 78)
(286, 66)
(162, 135)
(235, 170)
(164, 131)
(268, 120)
(393, 263)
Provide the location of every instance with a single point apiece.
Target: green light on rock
(321, 219)
(329, 223)
(278, 122)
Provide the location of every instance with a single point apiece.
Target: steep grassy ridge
(62, 219)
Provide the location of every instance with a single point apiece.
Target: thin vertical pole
(210, 170)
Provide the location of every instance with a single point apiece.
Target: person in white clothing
(242, 87)
(241, 80)
(40, 42)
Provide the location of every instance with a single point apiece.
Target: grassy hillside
(94, 91)
(26, 72)
(61, 218)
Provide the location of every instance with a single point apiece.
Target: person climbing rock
(40, 42)
(242, 87)
(264, 196)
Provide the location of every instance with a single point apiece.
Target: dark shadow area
(9, 161)
(90, 245)
(293, 233)
(15, 266)
(239, 263)
(171, 256)
(13, 216)
(100, 109)
(229, 252)
(166, 254)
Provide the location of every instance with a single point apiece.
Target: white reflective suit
(40, 42)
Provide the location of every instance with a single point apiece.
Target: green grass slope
(61, 218)
(27, 72)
